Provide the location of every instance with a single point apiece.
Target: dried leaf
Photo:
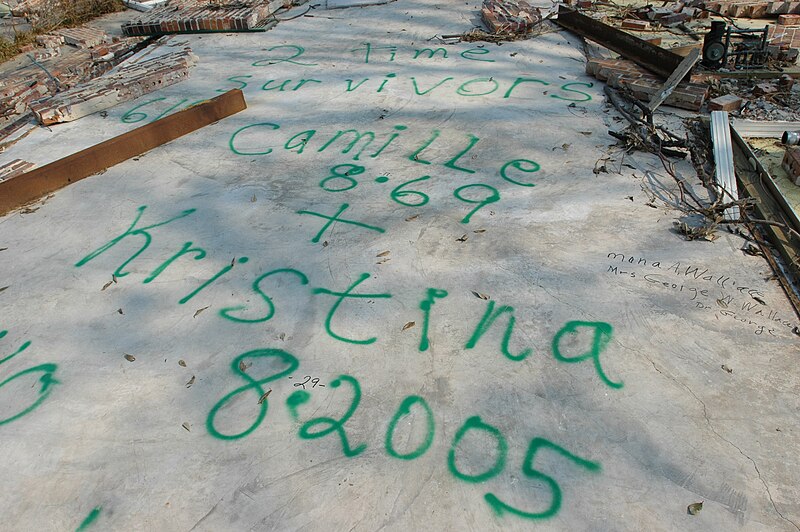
(479, 231)
(629, 198)
(186, 426)
(565, 146)
(408, 325)
(726, 368)
(412, 217)
(282, 336)
(694, 508)
(383, 260)
(462, 239)
(587, 133)
(479, 295)
(325, 244)
(253, 199)
(3, 249)
(383, 253)
(120, 311)
(129, 358)
(199, 311)
(106, 285)
(191, 381)
(182, 363)
(264, 397)
(243, 367)
(3, 288)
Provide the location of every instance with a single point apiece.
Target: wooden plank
(27, 187)
(674, 79)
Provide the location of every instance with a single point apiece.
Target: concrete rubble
(125, 83)
(47, 71)
(192, 16)
(510, 16)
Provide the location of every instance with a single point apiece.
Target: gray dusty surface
(627, 373)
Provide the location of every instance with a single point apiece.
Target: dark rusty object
(24, 188)
(645, 54)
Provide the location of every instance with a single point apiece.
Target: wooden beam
(24, 188)
(674, 79)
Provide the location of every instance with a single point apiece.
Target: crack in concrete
(717, 434)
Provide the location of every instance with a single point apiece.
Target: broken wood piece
(723, 160)
(672, 81)
(27, 187)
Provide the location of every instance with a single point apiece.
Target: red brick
(791, 163)
(672, 20)
(633, 24)
(727, 102)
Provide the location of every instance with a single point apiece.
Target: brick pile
(791, 163)
(619, 73)
(190, 16)
(733, 8)
(510, 16)
(84, 36)
(20, 87)
(784, 36)
(126, 83)
(14, 168)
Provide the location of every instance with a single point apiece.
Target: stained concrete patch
(392, 293)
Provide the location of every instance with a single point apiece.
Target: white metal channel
(724, 173)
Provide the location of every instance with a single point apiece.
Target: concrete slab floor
(452, 324)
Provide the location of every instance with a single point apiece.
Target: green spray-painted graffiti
(254, 385)
(341, 297)
(536, 444)
(319, 427)
(601, 335)
(486, 322)
(404, 410)
(91, 518)
(46, 381)
(331, 425)
(142, 231)
(475, 423)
